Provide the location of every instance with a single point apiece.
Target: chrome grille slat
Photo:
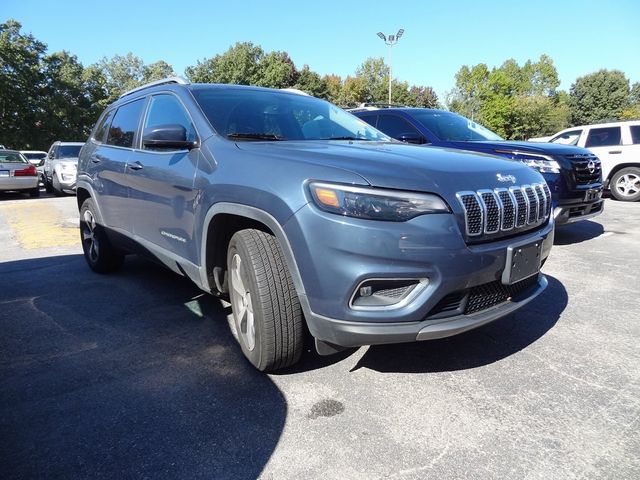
(488, 212)
(532, 198)
(542, 201)
(491, 211)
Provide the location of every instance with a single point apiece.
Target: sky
(335, 37)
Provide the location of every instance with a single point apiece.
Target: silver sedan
(17, 174)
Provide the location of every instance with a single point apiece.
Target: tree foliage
(52, 96)
(517, 102)
(600, 96)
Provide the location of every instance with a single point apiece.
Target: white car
(60, 167)
(617, 145)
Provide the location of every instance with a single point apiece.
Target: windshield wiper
(254, 136)
(347, 138)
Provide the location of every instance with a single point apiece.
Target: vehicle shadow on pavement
(134, 374)
(577, 232)
(475, 348)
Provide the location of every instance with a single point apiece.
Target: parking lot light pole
(391, 40)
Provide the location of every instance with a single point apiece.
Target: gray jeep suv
(302, 213)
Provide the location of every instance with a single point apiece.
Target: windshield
(35, 156)
(69, 151)
(245, 114)
(12, 157)
(451, 127)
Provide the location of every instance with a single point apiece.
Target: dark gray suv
(300, 212)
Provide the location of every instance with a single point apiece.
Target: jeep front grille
(488, 212)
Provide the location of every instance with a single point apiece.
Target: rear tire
(57, 191)
(266, 311)
(625, 184)
(99, 252)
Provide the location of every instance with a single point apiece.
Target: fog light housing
(386, 293)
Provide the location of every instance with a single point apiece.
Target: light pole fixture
(391, 40)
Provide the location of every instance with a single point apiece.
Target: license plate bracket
(523, 261)
(592, 194)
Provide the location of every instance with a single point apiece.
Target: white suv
(617, 145)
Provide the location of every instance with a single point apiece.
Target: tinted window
(567, 138)
(452, 127)
(125, 123)
(395, 126)
(102, 129)
(248, 114)
(68, 151)
(167, 110)
(34, 156)
(603, 137)
(635, 134)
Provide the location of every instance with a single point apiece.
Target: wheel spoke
(86, 235)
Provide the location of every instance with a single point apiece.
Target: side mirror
(50, 155)
(172, 136)
(411, 137)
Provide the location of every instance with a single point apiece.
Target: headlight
(373, 203)
(542, 163)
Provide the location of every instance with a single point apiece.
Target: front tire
(266, 311)
(99, 252)
(625, 184)
(34, 192)
(47, 185)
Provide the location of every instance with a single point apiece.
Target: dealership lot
(136, 375)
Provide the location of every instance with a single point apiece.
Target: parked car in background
(300, 212)
(572, 173)
(17, 174)
(617, 145)
(60, 167)
(36, 158)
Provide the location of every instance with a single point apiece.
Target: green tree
(310, 82)
(239, 65)
(121, 73)
(423, 97)
(375, 75)
(276, 70)
(334, 88)
(157, 71)
(21, 83)
(599, 96)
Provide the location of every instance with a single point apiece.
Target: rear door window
(603, 137)
(125, 124)
(635, 134)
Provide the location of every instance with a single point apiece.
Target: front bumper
(356, 334)
(335, 255)
(67, 180)
(564, 214)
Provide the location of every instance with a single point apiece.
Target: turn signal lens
(327, 197)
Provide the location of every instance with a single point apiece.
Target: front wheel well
(219, 233)
(81, 195)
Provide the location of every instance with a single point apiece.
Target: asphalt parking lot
(135, 375)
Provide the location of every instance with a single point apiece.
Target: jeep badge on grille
(505, 178)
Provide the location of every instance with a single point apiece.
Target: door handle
(136, 166)
(615, 151)
(96, 159)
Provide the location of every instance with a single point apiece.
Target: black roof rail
(164, 81)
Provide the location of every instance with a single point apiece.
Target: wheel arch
(619, 167)
(221, 222)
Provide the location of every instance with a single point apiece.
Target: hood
(533, 147)
(402, 166)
